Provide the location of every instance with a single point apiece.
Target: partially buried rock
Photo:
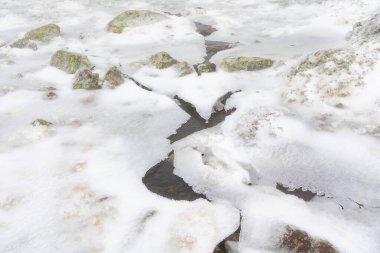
(133, 18)
(206, 67)
(162, 60)
(298, 241)
(231, 64)
(41, 122)
(183, 69)
(69, 62)
(114, 77)
(42, 34)
(87, 80)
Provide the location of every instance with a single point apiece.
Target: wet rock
(213, 47)
(50, 95)
(69, 62)
(42, 34)
(161, 180)
(114, 77)
(133, 18)
(366, 30)
(162, 60)
(41, 122)
(231, 64)
(204, 29)
(299, 192)
(206, 67)
(298, 241)
(183, 69)
(87, 80)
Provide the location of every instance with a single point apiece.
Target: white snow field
(310, 122)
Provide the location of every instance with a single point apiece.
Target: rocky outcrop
(41, 122)
(231, 64)
(366, 30)
(162, 60)
(42, 34)
(69, 62)
(133, 18)
(87, 80)
(114, 77)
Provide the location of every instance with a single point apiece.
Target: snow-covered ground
(312, 121)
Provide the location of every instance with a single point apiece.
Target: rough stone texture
(366, 30)
(133, 18)
(205, 67)
(298, 241)
(41, 122)
(183, 69)
(231, 64)
(87, 80)
(43, 34)
(114, 77)
(162, 60)
(69, 62)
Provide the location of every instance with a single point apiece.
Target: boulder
(42, 34)
(162, 60)
(114, 77)
(69, 62)
(87, 80)
(231, 64)
(183, 69)
(133, 18)
(205, 67)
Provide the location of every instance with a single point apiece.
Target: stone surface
(231, 64)
(42, 34)
(162, 60)
(183, 69)
(133, 18)
(298, 241)
(69, 62)
(114, 77)
(204, 29)
(41, 122)
(205, 67)
(87, 80)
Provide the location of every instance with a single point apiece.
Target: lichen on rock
(133, 18)
(87, 80)
(162, 60)
(42, 34)
(231, 64)
(41, 122)
(69, 62)
(184, 69)
(206, 67)
(114, 77)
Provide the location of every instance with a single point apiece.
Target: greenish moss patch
(68, 61)
(162, 60)
(231, 64)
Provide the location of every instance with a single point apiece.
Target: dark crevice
(306, 195)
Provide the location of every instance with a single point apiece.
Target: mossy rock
(41, 122)
(231, 64)
(133, 18)
(69, 62)
(162, 60)
(42, 34)
(206, 67)
(184, 69)
(87, 80)
(114, 77)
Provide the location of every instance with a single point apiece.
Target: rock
(87, 80)
(69, 62)
(50, 95)
(114, 77)
(162, 60)
(41, 122)
(205, 67)
(298, 241)
(133, 18)
(204, 29)
(183, 69)
(213, 47)
(42, 34)
(306, 195)
(231, 64)
(365, 31)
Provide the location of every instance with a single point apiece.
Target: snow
(76, 186)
